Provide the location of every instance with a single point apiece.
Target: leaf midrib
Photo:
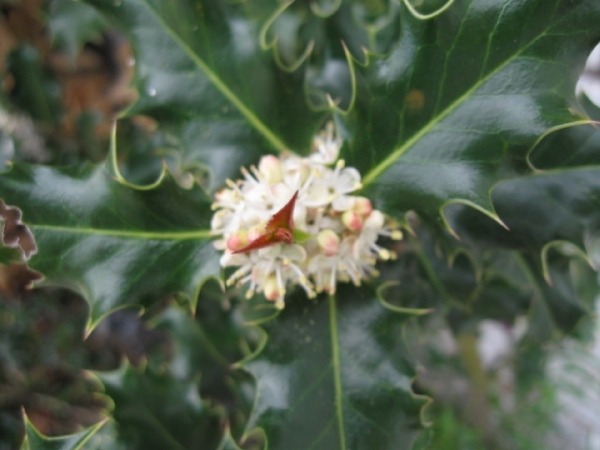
(144, 235)
(376, 171)
(337, 378)
(277, 143)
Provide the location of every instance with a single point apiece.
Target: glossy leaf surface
(335, 374)
(463, 97)
(438, 114)
(201, 73)
(157, 411)
(110, 242)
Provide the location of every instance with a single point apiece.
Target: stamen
(396, 235)
(384, 254)
(348, 253)
(332, 282)
(255, 171)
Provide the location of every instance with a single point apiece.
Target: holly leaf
(206, 347)
(201, 73)
(197, 365)
(228, 443)
(456, 106)
(564, 201)
(551, 218)
(115, 244)
(155, 410)
(449, 112)
(573, 147)
(34, 440)
(335, 373)
(72, 24)
(436, 272)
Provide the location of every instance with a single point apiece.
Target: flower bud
(363, 206)
(237, 241)
(254, 233)
(329, 242)
(376, 220)
(352, 220)
(272, 290)
(271, 169)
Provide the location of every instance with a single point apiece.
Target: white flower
(327, 146)
(344, 180)
(278, 263)
(340, 230)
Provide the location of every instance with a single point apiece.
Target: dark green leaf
(206, 347)
(72, 24)
(36, 92)
(209, 344)
(34, 440)
(575, 146)
(200, 72)
(335, 374)
(565, 203)
(157, 411)
(456, 106)
(115, 244)
(318, 37)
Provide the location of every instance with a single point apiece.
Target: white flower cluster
(341, 230)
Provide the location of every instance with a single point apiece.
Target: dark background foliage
(457, 116)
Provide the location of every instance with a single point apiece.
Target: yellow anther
(397, 235)
(384, 254)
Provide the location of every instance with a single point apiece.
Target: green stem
(477, 404)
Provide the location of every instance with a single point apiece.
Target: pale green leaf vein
(337, 377)
(252, 118)
(129, 234)
(321, 435)
(305, 394)
(394, 155)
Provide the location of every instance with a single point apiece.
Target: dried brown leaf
(14, 233)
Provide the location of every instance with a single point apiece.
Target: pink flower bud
(271, 169)
(329, 242)
(363, 206)
(271, 287)
(254, 233)
(376, 220)
(352, 220)
(237, 241)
